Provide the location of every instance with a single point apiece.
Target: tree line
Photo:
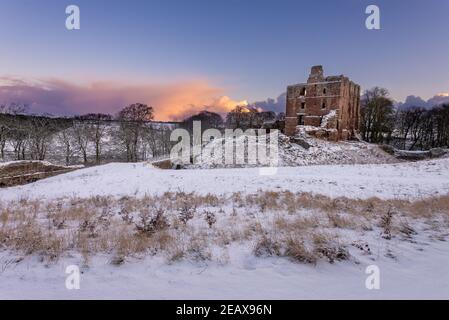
(412, 128)
(241, 117)
(132, 135)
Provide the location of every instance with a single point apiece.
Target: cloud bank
(415, 101)
(171, 101)
(174, 101)
(276, 105)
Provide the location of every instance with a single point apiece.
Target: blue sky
(247, 50)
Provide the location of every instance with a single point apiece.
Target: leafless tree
(83, 135)
(408, 123)
(40, 133)
(377, 115)
(4, 130)
(427, 128)
(239, 117)
(96, 125)
(209, 120)
(18, 138)
(133, 119)
(66, 138)
(10, 128)
(248, 117)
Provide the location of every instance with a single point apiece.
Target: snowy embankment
(387, 181)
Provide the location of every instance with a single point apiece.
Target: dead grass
(302, 227)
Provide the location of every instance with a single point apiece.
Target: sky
(181, 56)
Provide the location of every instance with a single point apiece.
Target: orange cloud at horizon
(172, 101)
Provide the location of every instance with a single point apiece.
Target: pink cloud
(170, 101)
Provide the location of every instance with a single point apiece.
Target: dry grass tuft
(300, 226)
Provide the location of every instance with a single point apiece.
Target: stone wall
(308, 103)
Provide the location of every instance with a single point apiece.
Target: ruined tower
(330, 103)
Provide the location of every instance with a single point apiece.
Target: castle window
(303, 91)
(324, 91)
(303, 105)
(323, 106)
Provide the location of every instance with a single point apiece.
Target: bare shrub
(329, 249)
(210, 218)
(266, 246)
(186, 209)
(406, 230)
(126, 216)
(265, 200)
(289, 201)
(89, 228)
(297, 250)
(151, 221)
(362, 246)
(338, 221)
(211, 200)
(177, 253)
(197, 250)
(386, 224)
(237, 199)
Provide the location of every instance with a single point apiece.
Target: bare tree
(208, 120)
(377, 115)
(240, 117)
(4, 129)
(10, 128)
(96, 126)
(18, 138)
(248, 117)
(415, 124)
(40, 132)
(408, 122)
(132, 125)
(83, 135)
(66, 138)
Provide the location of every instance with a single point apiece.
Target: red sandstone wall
(320, 97)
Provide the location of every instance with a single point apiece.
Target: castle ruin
(329, 104)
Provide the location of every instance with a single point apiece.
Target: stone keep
(311, 103)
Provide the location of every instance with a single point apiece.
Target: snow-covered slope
(388, 181)
(302, 150)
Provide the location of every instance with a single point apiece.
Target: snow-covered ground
(387, 181)
(415, 274)
(416, 268)
(302, 150)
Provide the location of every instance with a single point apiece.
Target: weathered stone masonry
(314, 103)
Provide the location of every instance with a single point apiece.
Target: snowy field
(388, 181)
(414, 275)
(411, 266)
